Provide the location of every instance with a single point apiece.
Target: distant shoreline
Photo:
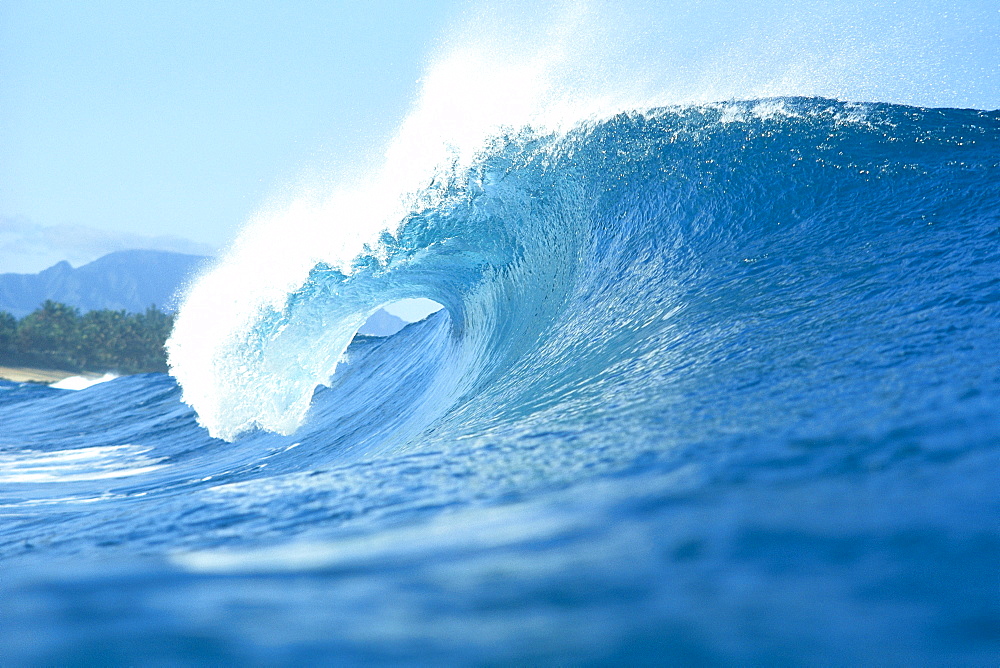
(23, 374)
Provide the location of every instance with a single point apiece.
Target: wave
(697, 365)
(714, 383)
(562, 257)
(82, 382)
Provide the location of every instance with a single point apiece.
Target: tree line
(57, 336)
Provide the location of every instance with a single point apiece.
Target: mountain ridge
(131, 280)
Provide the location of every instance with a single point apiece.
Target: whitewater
(714, 382)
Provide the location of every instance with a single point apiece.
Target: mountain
(131, 280)
(382, 323)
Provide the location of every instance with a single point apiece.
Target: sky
(124, 120)
(170, 124)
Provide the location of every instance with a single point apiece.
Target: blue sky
(177, 118)
(168, 124)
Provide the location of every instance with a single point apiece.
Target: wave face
(712, 384)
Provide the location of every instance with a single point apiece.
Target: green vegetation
(56, 336)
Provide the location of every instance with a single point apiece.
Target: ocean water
(713, 385)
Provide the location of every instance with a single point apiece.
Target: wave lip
(82, 382)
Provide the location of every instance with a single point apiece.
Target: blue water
(712, 385)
